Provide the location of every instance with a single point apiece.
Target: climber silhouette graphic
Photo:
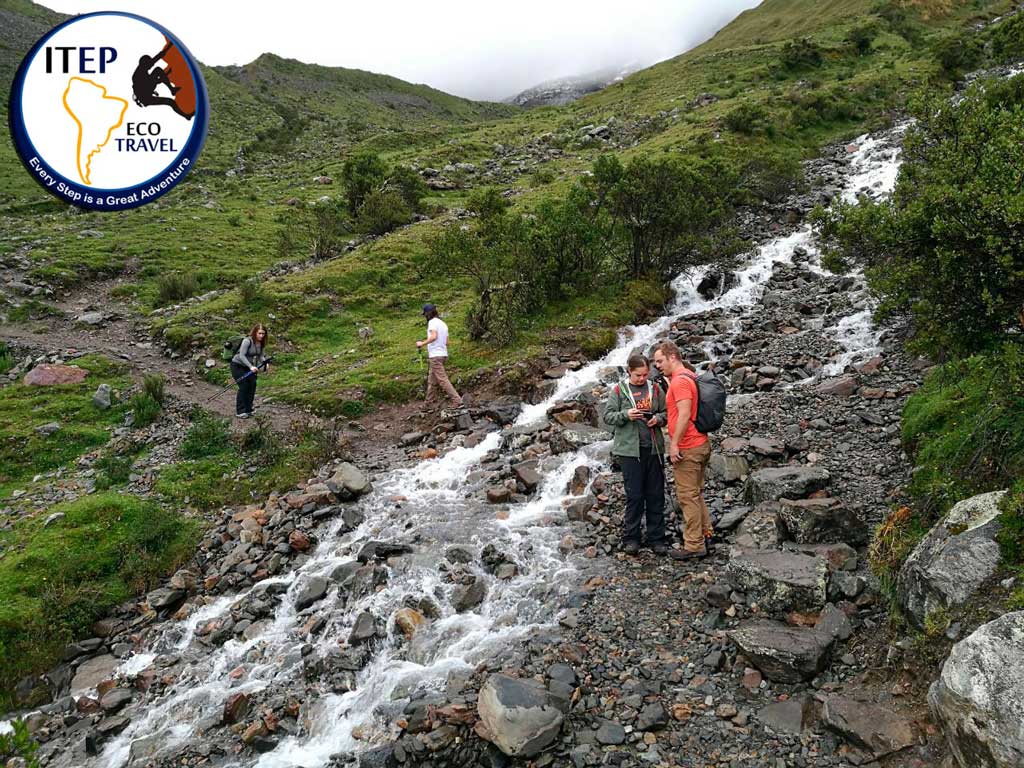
(149, 75)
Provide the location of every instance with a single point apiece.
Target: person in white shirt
(437, 353)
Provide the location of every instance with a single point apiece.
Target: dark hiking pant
(644, 478)
(246, 388)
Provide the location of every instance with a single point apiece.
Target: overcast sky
(473, 48)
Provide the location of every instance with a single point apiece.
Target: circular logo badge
(109, 111)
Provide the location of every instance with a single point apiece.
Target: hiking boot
(660, 549)
(242, 415)
(709, 541)
(631, 548)
(685, 554)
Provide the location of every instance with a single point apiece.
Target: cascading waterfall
(440, 505)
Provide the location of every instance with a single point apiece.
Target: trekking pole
(239, 381)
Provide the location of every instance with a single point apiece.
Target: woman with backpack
(245, 367)
(636, 413)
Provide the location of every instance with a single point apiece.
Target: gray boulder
(794, 482)
(575, 436)
(102, 397)
(780, 581)
(978, 700)
(952, 562)
(469, 596)
(820, 521)
(518, 716)
(728, 468)
(311, 591)
(349, 482)
(784, 654)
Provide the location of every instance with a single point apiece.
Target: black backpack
(233, 345)
(711, 397)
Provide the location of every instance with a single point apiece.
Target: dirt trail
(123, 335)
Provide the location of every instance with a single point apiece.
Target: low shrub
(208, 435)
(173, 287)
(144, 408)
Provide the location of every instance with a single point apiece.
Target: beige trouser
(689, 476)
(436, 375)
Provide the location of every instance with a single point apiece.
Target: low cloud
(473, 49)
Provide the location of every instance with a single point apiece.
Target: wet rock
(48, 375)
(780, 581)
(792, 482)
(783, 654)
(499, 495)
(578, 509)
(517, 716)
(839, 556)
(843, 386)
(978, 700)
(115, 700)
(817, 521)
(580, 480)
(411, 438)
(869, 726)
(299, 540)
(365, 629)
(408, 620)
(528, 475)
(111, 726)
(349, 482)
(235, 708)
(950, 564)
(93, 672)
(166, 598)
(458, 554)
(310, 592)
(573, 437)
(766, 447)
(102, 397)
(503, 412)
(382, 550)
(732, 518)
(467, 597)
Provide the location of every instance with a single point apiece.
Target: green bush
(748, 119)
(945, 248)
(598, 342)
(382, 212)
(965, 428)
(1011, 536)
(113, 469)
(362, 173)
(6, 358)
(861, 37)
(957, 54)
(173, 287)
(207, 436)
(56, 581)
(18, 744)
(409, 185)
(1006, 39)
(261, 443)
(800, 54)
(154, 384)
(250, 292)
(144, 408)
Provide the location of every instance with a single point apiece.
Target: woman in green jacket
(636, 413)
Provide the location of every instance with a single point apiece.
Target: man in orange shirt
(688, 449)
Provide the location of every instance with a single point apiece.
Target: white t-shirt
(439, 346)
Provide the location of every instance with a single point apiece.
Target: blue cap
(429, 308)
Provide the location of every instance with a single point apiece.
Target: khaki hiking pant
(436, 376)
(689, 476)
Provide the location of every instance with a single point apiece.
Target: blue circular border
(26, 149)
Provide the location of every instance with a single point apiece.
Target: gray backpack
(711, 397)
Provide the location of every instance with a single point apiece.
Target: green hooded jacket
(625, 432)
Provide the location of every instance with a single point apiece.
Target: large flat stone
(48, 375)
(821, 521)
(869, 726)
(792, 482)
(784, 654)
(93, 672)
(518, 716)
(780, 581)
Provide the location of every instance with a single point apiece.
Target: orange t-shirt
(684, 387)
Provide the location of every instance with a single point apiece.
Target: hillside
(342, 577)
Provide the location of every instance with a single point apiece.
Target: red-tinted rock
(47, 375)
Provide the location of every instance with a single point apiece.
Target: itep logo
(108, 111)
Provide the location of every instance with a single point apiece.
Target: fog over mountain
(472, 49)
